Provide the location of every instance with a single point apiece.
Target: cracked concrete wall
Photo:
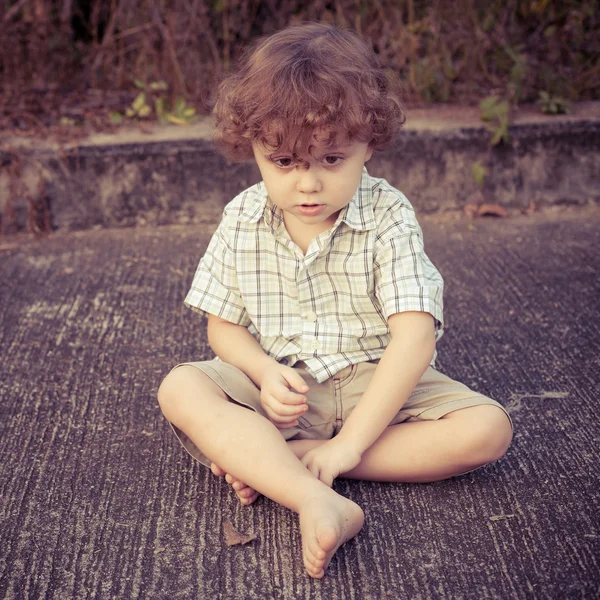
(185, 181)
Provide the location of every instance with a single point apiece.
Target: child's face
(312, 189)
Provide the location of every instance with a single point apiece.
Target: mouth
(310, 209)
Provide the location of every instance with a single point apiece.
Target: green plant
(479, 173)
(139, 108)
(179, 114)
(495, 112)
(150, 95)
(553, 105)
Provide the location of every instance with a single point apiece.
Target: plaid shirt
(328, 308)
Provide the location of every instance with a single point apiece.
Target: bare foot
(326, 522)
(245, 493)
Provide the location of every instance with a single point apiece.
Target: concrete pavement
(98, 500)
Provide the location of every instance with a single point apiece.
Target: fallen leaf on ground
(500, 517)
(470, 210)
(494, 210)
(234, 537)
(532, 208)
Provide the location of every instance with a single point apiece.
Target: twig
(14, 10)
(166, 34)
(133, 30)
(108, 35)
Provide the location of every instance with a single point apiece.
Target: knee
(170, 392)
(485, 435)
(491, 434)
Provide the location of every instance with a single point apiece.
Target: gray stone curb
(116, 181)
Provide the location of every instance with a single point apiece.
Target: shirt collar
(358, 214)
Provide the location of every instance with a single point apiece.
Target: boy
(322, 306)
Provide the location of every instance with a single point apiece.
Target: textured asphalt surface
(98, 500)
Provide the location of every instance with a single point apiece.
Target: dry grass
(77, 59)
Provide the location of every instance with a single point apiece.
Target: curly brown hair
(301, 82)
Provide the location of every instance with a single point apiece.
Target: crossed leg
(419, 451)
(251, 449)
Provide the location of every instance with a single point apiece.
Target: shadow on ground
(98, 500)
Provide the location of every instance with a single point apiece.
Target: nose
(308, 181)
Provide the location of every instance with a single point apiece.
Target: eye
(283, 162)
(333, 160)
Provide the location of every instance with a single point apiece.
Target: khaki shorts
(331, 402)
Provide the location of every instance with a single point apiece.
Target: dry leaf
(474, 201)
(471, 210)
(234, 537)
(494, 210)
(532, 208)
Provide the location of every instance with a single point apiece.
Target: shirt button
(315, 343)
(311, 317)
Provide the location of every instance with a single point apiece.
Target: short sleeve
(214, 289)
(405, 278)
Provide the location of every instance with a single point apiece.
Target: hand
(282, 405)
(331, 459)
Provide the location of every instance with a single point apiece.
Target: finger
(326, 478)
(281, 423)
(282, 394)
(280, 419)
(272, 403)
(313, 468)
(295, 380)
(289, 397)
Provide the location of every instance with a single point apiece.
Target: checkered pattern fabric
(328, 307)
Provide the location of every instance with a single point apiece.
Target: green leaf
(189, 112)
(159, 107)
(500, 135)
(159, 85)
(115, 117)
(139, 102)
(144, 111)
(479, 172)
(488, 106)
(179, 105)
(139, 84)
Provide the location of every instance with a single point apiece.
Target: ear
(369, 153)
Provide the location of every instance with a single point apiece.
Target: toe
(316, 572)
(248, 499)
(315, 549)
(252, 498)
(216, 470)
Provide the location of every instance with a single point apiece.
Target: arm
(235, 345)
(402, 365)
(400, 369)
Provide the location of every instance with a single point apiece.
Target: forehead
(301, 142)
